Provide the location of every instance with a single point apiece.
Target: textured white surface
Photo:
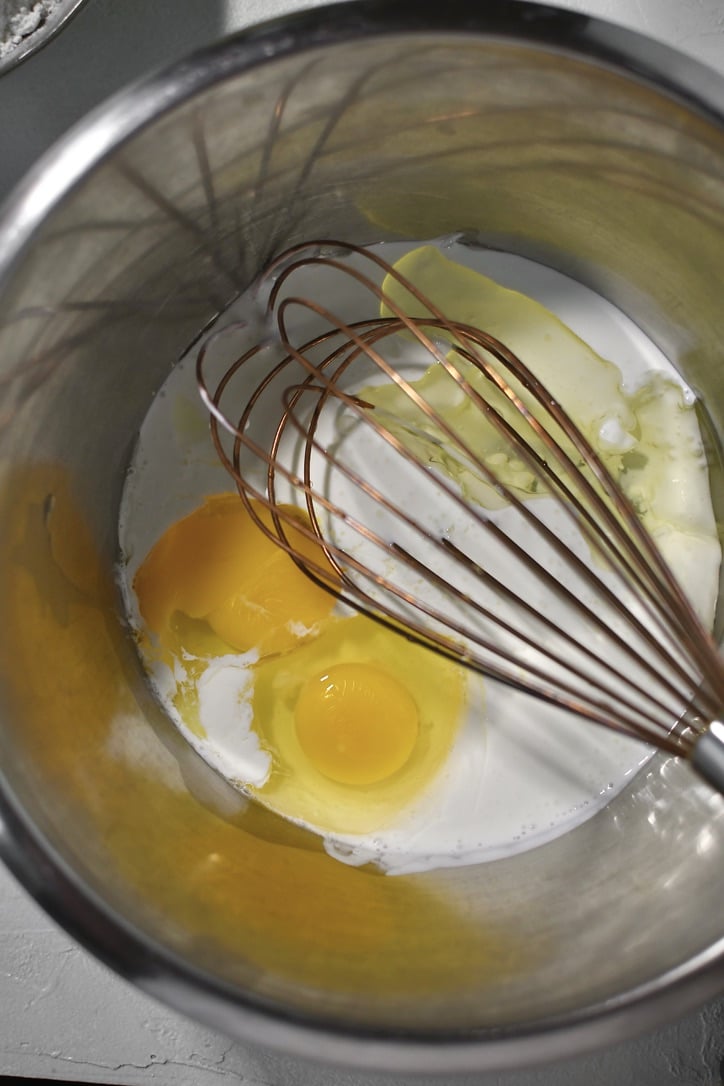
(61, 1014)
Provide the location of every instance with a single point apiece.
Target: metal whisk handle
(708, 755)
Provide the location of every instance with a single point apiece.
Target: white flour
(18, 21)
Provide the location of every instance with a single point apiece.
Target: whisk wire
(332, 388)
(676, 672)
(291, 396)
(657, 583)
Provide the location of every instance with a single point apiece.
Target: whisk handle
(707, 757)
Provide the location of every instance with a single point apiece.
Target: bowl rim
(44, 873)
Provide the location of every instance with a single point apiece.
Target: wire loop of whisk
(559, 591)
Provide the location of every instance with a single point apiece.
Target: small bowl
(49, 24)
(545, 133)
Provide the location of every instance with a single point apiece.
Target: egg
(356, 723)
(389, 753)
(217, 566)
(332, 721)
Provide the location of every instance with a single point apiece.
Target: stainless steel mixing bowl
(547, 133)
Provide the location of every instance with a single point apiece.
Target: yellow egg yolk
(216, 565)
(324, 703)
(356, 723)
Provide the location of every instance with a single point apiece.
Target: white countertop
(62, 1015)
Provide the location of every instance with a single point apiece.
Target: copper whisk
(567, 598)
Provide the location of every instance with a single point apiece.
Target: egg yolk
(356, 723)
(217, 566)
(333, 721)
